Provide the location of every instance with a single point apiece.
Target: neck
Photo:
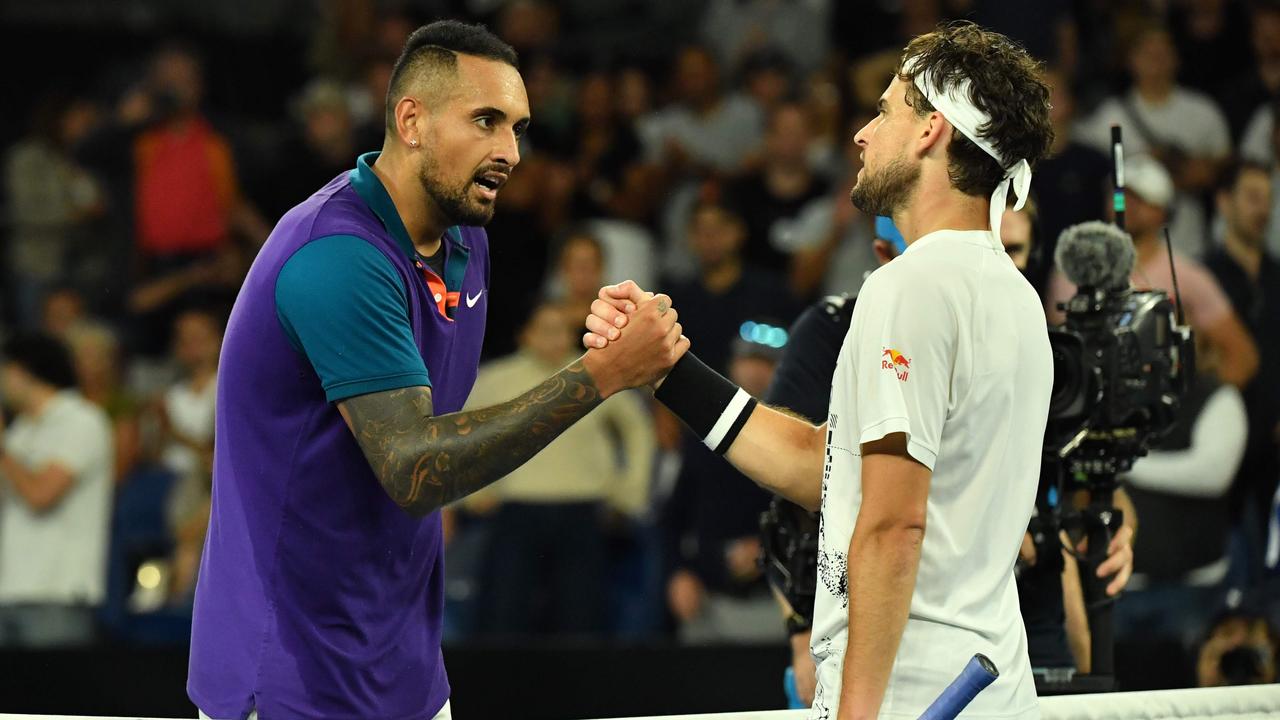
(786, 180)
(1246, 254)
(38, 400)
(422, 218)
(1146, 246)
(1155, 92)
(203, 373)
(722, 276)
(1061, 138)
(936, 205)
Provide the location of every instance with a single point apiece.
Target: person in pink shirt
(1207, 310)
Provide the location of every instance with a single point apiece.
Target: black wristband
(712, 406)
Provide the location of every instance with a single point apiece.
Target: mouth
(488, 183)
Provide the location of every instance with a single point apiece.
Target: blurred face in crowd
(328, 128)
(582, 267)
(1153, 60)
(595, 100)
(178, 76)
(1247, 207)
(470, 135)
(888, 176)
(752, 373)
(697, 78)
(768, 86)
(1266, 34)
(1143, 219)
(1062, 103)
(548, 335)
(197, 340)
(787, 139)
(715, 236)
(62, 309)
(16, 385)
(1015, 234)
(95, 352)
(634, 93)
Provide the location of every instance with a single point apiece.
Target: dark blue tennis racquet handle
(979, 673)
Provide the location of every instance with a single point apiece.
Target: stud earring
(413, 143)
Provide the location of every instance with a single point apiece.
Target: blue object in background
(789, 686)
(886, 230)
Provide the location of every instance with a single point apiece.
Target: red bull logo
(894, 360)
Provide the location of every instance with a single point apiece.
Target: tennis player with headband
(926, 470)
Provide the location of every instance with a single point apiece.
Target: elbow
(903, 531)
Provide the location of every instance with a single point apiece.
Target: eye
(485, 122)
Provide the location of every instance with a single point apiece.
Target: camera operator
(1148, 194)
(1049, 592)
(1180, 489)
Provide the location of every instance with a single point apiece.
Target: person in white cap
(1149, 193)
(926, 470)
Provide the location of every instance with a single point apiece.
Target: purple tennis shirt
(318, 597)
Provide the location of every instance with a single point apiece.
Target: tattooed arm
(425, 462)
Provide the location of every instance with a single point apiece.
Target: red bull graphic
(894, 360)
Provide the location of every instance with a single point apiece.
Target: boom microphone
(1095, 255)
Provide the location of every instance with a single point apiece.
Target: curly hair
(1005, 83)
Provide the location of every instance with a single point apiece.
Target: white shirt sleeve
(1255, 145)
(1205, 469)
(901, 351)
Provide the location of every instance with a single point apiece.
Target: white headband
(957, 107)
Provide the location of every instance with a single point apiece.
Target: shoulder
(75, 411)
(1195, 101)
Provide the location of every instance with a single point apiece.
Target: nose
(508, 149)
(860, 138)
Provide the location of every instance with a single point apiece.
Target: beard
(887, 190)
(456, 202)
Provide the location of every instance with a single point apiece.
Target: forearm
(39, 490)
(783, 454)
(882, 576)
(1075, 616)
(425, 462)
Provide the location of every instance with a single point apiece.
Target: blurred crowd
(704, 149)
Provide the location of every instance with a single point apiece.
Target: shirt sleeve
(901, 351)
(345, 308)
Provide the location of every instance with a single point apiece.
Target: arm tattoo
(425, 462)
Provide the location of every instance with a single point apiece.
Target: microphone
(976, 676)
(1095, 255)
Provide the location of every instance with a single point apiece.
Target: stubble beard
(886, 191)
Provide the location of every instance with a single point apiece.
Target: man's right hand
(642, 355)
(610, 311)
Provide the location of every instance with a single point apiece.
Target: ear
(935, 134)
(411, 120)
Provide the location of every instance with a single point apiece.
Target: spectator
(704, 130)
(727, 292)
(187, 200)
(1249, 97)
(1072, 178)
(546, 564)
(1250, 276)
(186, 414)
(796, 28)
(779, 189)
(96, 352)
(1180, 491)
(1148, 195)
(830, 239)
(1182, 128)
(1210, 31)
(55, 499)
(711, 524)
(51, 200)
(1239, 649)
(606, 145)
(318, 148)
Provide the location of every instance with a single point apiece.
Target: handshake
(633, 338)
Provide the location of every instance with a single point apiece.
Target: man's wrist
(598, 368)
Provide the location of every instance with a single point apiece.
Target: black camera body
(1121, 364)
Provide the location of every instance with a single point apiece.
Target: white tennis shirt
(948, 345)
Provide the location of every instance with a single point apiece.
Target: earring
(413, 143)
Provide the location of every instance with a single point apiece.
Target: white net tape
(1237, 703)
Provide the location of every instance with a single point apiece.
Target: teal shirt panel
(345, 308)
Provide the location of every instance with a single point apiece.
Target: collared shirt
(318, 596)
(949, 346)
